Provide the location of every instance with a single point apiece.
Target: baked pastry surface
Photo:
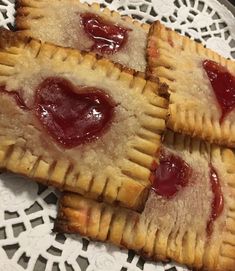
(59, 22)
(175, 228)
(193, 109)
(117, 165)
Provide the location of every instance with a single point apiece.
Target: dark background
(230, 4)
(232, 1)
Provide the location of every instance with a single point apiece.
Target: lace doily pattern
(27, 211)
(27, 214)
(7, 8)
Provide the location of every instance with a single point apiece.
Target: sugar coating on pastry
(195, 226)
(108, 153)
(201, 83)
(60, 22)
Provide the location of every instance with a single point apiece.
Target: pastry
(189, 216)
(70, 23)
(78, 122)
(201, 82)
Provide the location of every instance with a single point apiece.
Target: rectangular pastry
(70, 23)
(189, 216)
(78, 122)
(201, 82)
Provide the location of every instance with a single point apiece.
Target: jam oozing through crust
(171, 175)
(223, 84)
(108, 38)
(218, 199)
(72, 115)
(14, 94)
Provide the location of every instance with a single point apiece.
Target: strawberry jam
(16, 96)
(108, 38)
(171, 175)
(72, 115)
(218, 200)
(223, 84)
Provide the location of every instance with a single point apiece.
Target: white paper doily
(27, 211)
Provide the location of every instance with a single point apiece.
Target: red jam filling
(16, 96)
(218, 200)
(171, 175)
(223, 84)
(108, 38)
(72, 115)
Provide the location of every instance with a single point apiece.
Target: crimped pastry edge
(102, 222)
(21, 14)
(12, 46)
(183, 119)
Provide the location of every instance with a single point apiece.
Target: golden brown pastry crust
(177, 61)
(39, 19)
(131, 230)
(94, 6)
(123, 177)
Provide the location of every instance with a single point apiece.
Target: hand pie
(189, 216)
(201, 82)
(77, 122)
(76, 25)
